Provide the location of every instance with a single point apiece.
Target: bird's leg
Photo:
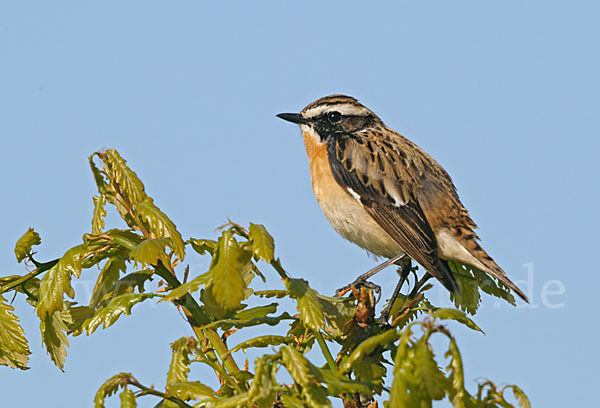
(405, 269)
(362, 279)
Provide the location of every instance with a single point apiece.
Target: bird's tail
(445, 275)
(492, 268)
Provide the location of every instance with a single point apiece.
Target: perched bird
(382, 192)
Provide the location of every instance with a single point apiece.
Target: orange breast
(341, 209)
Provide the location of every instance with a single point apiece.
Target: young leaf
(399, 396)
(458, 315)
(289, 401)
(428, 375)
(108, 276)
(262, 389)
(468, 299)
(338, 312)
(492, 287)
(109, 313)
(149, 251)
(227, 286)
(263, 244)
(311, 311)
(14, 350)
(457, 394)
(519, 395)
(124, 177)
(193, 390)
(180, 361)
(202, 246)
(255, 312)
(188, 287)
(160, 225)
(53, 336)
(99, 214)
(297, 365)
(368, 346)
(24, 244)
(261, 341)
(127, 399)
(110, 387)
(57, 282)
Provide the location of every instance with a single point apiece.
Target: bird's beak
(293, 117)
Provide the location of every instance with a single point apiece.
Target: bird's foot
(357, 284)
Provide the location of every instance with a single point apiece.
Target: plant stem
(325, 350)
(152, 391)
(197, 318)
(43, 267)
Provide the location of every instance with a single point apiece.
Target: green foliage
(14, 350)
(146, 261)
(24, 244)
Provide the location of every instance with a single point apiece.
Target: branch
(197, 318)
(41, 268)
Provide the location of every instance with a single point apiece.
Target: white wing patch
(354, 194)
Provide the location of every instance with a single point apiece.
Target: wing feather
(387, 195)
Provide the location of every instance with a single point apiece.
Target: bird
(385, 194)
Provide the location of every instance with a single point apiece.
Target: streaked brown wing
(360, 165)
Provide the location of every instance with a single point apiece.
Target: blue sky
(503, 94)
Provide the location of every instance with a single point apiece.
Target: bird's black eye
(334, 117)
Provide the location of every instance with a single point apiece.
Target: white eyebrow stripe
(344, 109)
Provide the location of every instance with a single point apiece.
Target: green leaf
(457, 394)
(109, 313)
(14, 350)
(124, 177)
(193, 390)
(255, 312)
(338, 383)
(262, 341)
(308, 304)
(124, 238)
(228, 286)
(276, 293)
(403, 371)
(226, 324)
(74, 316)
(289, 401)
(263, 244)
(54, 338)
(338, 312)
(457, 315)
(99, 214)
(427, 373)
(149, 251)
(519, 395)
(202, 246)
(160, 225)
(24, 244)
(127, 399)
(368, 346)
(491, 286)
(57, 282)
(180, 361)
(468, 299)
(262, 388)
(188, 287)
(99, 177)
(110, 387)
(129, 282)
(296, 364)
(108, 276)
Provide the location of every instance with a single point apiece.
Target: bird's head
(332, 115)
